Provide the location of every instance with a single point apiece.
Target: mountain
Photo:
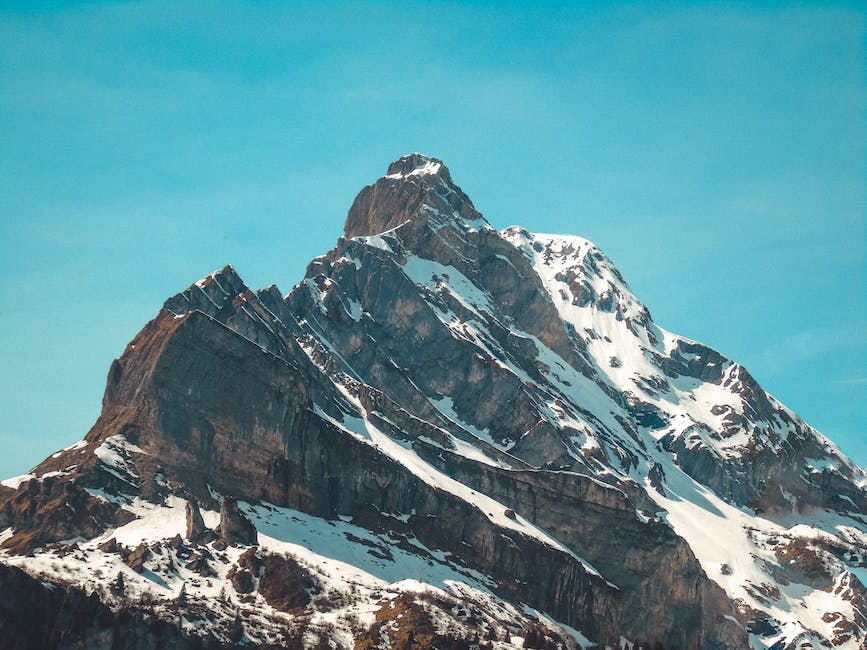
(443, 436)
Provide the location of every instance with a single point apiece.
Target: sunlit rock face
(444, 435)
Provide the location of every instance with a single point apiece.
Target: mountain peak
(416, 190)
(417, 164)
(477, 427)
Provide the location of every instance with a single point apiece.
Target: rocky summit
(444, 436)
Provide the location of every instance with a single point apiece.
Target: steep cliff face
(484, 431)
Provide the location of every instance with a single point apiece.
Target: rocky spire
(235, 527)
(416, 191)
(195, 523)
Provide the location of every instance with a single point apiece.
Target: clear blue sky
(715, 151)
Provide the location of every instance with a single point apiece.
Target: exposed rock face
(235, 528)
(195, 523)
(414, 185)
(51, 509)
(434, 393)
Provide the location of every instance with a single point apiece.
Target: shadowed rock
(235, 527)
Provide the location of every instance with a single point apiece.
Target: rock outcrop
(235, 527)
(195, 524)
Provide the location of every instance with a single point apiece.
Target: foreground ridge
(443, 436)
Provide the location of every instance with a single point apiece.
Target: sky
(715, 151)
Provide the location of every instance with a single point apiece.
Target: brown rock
(285, 584)
(195, 523)
(136, 559)
(242, 581)
(199, 563)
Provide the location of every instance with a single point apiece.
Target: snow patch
(16, 481)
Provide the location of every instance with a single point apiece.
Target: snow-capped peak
(418, 192)
(415, 164)
(441, 409)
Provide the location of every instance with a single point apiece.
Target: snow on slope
(738, 548)
(356, 572)
(618, 331)
(629, 349)
(364, 430)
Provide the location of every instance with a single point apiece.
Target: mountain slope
(476, 426)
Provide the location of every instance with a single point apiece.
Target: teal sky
(716, 152)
